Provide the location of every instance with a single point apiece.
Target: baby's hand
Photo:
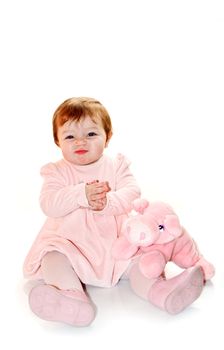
(96, 194)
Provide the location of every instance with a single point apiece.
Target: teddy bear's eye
(161, 227)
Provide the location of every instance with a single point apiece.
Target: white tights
(173, 294)
(57, 271)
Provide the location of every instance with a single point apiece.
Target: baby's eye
(161, 227)
(69, 137)
(91, 134)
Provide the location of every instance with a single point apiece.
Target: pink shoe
(175, 294)
(52, 304)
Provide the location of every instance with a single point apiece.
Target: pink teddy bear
(156, 235)
(151, 238)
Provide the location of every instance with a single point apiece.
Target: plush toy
(156, 235)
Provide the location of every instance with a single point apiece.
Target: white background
(157, 66)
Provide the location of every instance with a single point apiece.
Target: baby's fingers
(95, 197)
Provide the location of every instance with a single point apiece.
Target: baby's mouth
(81, 151)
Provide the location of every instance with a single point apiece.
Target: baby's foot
(175, 294)
(52, 304)
(186, 292)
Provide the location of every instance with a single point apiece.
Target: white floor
(157, 66)
(122, 319)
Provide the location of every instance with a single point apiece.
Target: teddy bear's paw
(207, 267)
(122, 249)
(152, 264)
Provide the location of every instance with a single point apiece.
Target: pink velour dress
(85, 236)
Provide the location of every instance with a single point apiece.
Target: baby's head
(82, 129)
(78, 108)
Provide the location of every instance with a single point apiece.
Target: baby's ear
(139, 205)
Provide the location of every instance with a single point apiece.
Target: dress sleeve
(119, 202)
(57, 198)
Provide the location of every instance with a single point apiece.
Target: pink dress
(74, 229)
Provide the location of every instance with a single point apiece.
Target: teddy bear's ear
(139, 205)
(173, 225)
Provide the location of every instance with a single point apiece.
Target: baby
(86, 197)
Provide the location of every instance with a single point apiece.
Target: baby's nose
(80, 141)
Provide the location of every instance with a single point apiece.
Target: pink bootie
(175, 294)
(52, 304)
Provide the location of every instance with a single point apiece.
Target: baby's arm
(120, 200)
(57, 198)
(96, 194)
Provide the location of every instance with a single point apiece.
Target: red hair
(76, 108)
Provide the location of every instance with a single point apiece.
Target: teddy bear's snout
(142, 236)
(137, 231)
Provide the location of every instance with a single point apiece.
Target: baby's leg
(140, 284)
(172, 295)
(57, 271)
(62, 298)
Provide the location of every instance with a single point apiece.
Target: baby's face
(82, 142)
